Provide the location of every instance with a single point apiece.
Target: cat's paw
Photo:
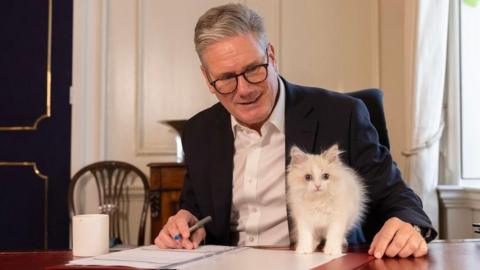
(304, 249)
(333, 250)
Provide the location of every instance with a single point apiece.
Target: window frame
(452, 141)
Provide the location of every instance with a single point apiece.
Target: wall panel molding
(88, 94)
(459, 208)
(169, 84)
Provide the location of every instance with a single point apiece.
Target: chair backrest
(373, 99)
(114, 182)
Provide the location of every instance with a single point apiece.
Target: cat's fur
(325, 197)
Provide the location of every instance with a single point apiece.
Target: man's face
(251, 104)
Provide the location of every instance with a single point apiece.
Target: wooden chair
(116, 185)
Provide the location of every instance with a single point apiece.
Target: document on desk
(208, 257)
(255, 258)
(152, 257)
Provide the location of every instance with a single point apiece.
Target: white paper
(253, 258)
(152, 257)
(209, 257)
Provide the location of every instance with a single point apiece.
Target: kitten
(326, 199)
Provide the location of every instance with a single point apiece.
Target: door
(35, 78)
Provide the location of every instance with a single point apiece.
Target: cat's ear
(333, 153)
(297, 155)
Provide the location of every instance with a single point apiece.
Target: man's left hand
(398, 238)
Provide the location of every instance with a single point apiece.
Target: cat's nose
(317, 188)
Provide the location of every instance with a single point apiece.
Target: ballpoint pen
(193, 228)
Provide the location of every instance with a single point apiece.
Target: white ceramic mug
(90, 235)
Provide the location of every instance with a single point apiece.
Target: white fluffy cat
(326, 199)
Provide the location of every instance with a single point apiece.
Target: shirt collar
(277, 117)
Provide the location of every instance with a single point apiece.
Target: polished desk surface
(453, 254)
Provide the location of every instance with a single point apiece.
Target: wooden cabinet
(166, 181)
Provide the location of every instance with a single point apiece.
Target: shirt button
(254, 209)
(251, 238)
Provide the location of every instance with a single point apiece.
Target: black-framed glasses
(254, 75)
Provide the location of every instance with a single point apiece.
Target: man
(235, 151)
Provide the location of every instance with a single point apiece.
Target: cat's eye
(325, 176)
(308, 177)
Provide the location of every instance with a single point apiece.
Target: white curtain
(425, 99)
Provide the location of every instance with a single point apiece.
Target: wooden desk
(33, 260)
(461, 254)
(166, 181)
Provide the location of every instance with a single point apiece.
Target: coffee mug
(90, 235)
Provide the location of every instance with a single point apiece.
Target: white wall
(135, 64)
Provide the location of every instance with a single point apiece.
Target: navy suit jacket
(314, 120)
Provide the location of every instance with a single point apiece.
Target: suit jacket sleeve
(388, 194)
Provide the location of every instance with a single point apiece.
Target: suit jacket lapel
(221, 168)
(300, 127)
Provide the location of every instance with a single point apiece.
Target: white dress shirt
(259, 211)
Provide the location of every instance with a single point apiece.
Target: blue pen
(196, 226)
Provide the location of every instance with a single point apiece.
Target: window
(470, 89)
(462, 148)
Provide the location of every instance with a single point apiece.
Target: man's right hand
(178, 224)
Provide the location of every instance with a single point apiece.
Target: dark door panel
(24, 49)
(35, 116)
(29, 203)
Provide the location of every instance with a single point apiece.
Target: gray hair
(228, 21)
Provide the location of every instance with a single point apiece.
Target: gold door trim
(45, 202)
(47, 113)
